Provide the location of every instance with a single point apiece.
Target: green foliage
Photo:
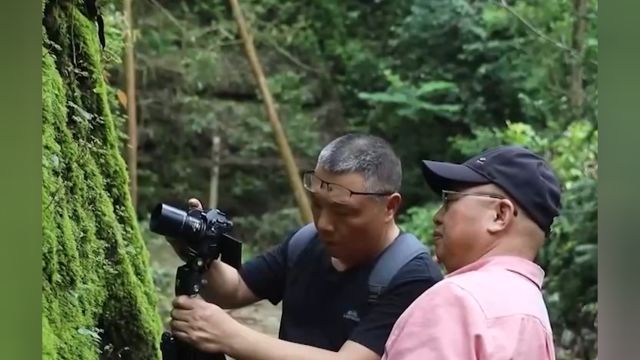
(439, 79)
(262, 232)
(412, 101)
(96, 286)
(112, 56)
(418, 220)
(194, 83)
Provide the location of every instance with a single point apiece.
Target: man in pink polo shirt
(497, 210)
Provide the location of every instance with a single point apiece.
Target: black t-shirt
(323, 307)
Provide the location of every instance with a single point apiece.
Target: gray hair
(367, 155)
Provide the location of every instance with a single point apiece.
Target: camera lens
(170, 221)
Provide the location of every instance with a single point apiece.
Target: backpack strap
(404, 249)
(299, 242)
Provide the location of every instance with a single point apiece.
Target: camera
(206, 233)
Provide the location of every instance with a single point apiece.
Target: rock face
(98, 295)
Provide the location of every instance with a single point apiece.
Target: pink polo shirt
(491, 309)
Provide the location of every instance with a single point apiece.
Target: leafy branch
(539, 33)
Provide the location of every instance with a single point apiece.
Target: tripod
(188, 282)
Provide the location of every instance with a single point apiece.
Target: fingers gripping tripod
(206, 234)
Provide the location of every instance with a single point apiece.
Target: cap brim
(443, 176)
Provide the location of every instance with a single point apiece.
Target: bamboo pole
(131, 104)
(281, 139)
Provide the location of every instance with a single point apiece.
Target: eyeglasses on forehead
(314, 184)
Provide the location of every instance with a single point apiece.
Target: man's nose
(437, 217)
(324, 223)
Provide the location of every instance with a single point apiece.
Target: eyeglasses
(449, 196)
(336, 192)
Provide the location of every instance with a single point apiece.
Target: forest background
(438, 79)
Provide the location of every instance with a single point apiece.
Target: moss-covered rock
(98, 295)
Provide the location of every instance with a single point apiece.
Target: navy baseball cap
(522, 174)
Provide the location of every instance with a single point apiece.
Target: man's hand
(209, 328)
(201, 324)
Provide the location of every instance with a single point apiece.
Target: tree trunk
(215, 171)
(98, 295)
(131, 104)
(576, 91)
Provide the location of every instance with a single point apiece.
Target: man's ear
(503, 216)
(392, 206)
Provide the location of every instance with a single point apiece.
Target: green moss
(49, 340)
(97, 291)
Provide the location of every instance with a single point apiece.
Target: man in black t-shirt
(324, 286)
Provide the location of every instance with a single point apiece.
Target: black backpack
(403, 249)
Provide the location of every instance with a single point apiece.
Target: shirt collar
(516, 264)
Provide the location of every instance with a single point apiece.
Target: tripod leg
(168, 346)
